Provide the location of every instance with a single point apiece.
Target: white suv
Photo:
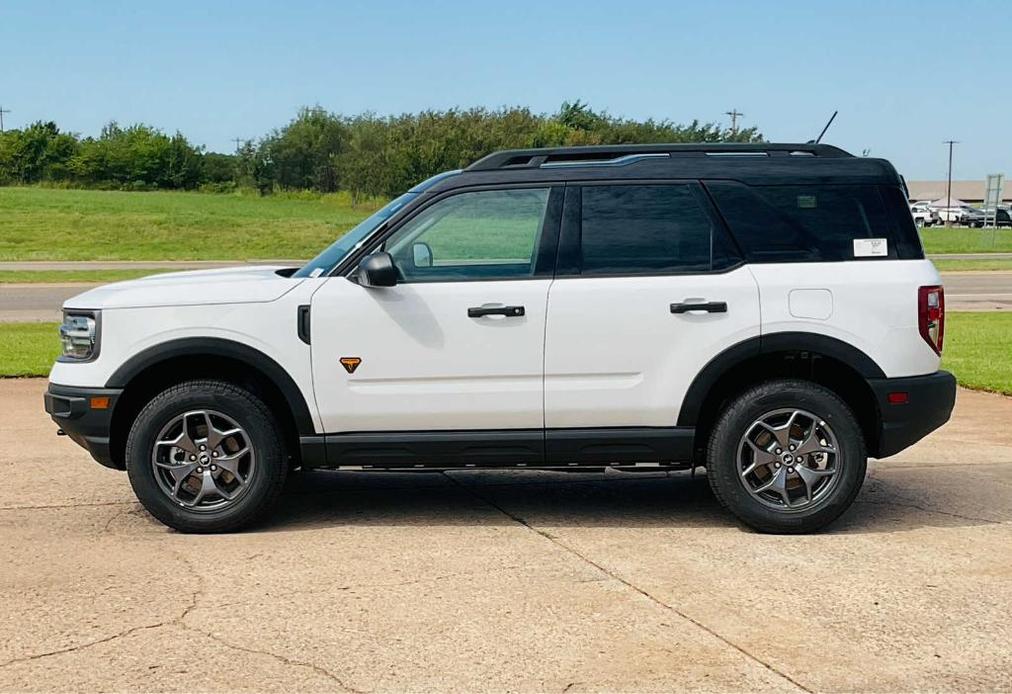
(765, 311)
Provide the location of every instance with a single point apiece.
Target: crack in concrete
(180, 621)
(629, 584)
(194, 597)
(291, 662)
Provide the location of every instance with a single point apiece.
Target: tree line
(365, 154)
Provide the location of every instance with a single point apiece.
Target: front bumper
(928, 405)
(79, 414)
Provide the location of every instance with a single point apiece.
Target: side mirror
(421, 254)
(377, 270)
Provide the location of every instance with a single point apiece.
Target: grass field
(959, 265)
(28, 349)
(93, 276)
(48, 224)
(963, 240)
(976, 349)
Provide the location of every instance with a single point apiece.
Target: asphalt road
(964, 291)
(526, 581)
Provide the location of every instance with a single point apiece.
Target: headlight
(79, 334)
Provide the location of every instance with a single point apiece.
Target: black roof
(753, 163)
(601, 154)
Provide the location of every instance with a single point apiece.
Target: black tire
(723, 463)
(265, 439)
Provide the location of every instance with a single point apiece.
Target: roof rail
(620, 155)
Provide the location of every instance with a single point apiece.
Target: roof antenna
(819, 138)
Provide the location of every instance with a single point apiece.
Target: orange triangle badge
(350, 363)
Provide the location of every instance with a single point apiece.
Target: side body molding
(770, 344)
(217, 347)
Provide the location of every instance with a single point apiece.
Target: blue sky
(904, 75)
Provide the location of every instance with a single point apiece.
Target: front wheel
(786, 456)
(206, 456)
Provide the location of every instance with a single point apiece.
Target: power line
(2, 112)
(948, 188)
(238, 141)
(735, 115)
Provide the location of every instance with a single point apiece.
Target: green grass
(49, 224)
(60, 276)
(963, 240)
(998, 264)
(28, 349)
(978, 350)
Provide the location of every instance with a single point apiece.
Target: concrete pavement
(964, 291)
(526, 581)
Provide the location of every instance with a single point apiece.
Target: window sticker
(316, 272)
(807, 202)
(868, 248)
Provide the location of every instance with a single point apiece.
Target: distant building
(968, 191)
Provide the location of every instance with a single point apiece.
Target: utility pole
(735, 115)
(238, 141)
(948, 189)
(2, 112)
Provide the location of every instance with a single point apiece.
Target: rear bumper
(71, 408)
(929, 402)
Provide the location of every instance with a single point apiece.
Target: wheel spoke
(776, 484)
(811, 477)
(779, 434)
(182, 441)
(231, 464)
(760, 457)
(812, 444)
(214, 435)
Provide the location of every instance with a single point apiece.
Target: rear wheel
(206, 456)
(787, 456)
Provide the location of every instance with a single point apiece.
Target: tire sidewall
(248, 412)
(722, 463)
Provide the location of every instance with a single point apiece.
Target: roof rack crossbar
(608, 155)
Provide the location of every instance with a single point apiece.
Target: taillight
(931, 316)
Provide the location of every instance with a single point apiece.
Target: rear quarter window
(815, 223)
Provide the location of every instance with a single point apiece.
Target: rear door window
(815, 222)
(646, 230)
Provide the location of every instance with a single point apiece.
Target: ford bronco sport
(765, 311)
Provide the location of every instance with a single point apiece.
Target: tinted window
(489, 234)
(814, 222)
(644, 229)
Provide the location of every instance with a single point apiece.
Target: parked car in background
(962, 214)
(972, 217)
(924, 215)
(1003, 217)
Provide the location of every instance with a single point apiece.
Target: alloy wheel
(203, 460)
(788, 459)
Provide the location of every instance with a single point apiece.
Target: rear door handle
(509, 311)
(708, 306)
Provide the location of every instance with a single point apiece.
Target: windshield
(332, 255)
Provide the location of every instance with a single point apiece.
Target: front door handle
(708, 306)
(509, 311)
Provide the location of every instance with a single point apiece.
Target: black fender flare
(219, 347)
(772, 343)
